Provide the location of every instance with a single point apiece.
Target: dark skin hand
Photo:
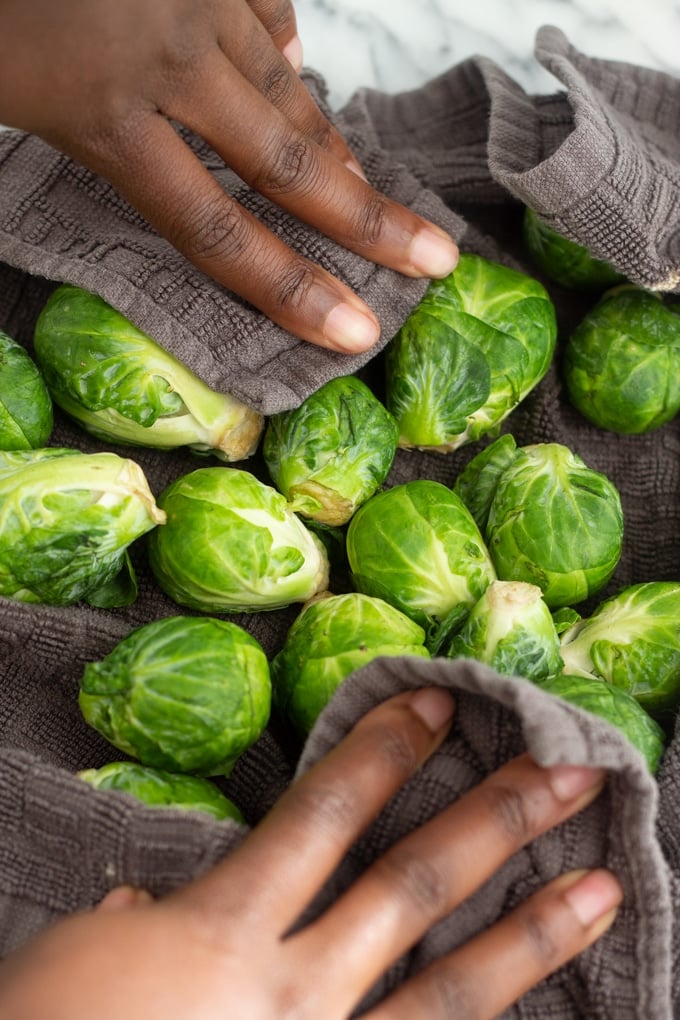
(102, 82)
(220, 946)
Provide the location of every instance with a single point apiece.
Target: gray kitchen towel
(600, 159)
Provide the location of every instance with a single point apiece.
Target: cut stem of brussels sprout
(331, 454)
(511, 629)
(233, 544)
(121, 385)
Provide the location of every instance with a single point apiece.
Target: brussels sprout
(333, 452)
(232, 544)
(417, 547)
(622, 363)
(330, 639)
(616, 706)
(473, 348)
(158, 788)
(185, 694)
(26, 418)
(66, 520)
(563, 261)
(510, 628)
(551, 521)
(632, 640)
(477, 482)
(124, 387)
(564, 618)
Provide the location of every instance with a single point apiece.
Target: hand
(219, 946)
(102, 82)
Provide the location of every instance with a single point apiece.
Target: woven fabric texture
(600, 160)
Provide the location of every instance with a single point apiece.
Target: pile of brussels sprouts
(490, 567)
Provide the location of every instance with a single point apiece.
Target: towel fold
(599, 160)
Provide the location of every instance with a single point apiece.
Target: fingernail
(292, 51)
(570, 781)
(433, 254)
(594, 895)
(355, 167)
(434, 706)
(123, 896)
(349, 329)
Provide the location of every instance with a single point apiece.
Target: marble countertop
(394, 45)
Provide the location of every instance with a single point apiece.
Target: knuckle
(112, 136)
(276, 15)
(394, 749)
(539, 937)
(321, 133)
(419, 882)
(370, 221)
(294, 285)
(293, 166)
(276, 84)
(447, 993)
(203, 923)
(215, 230)
(291, 1001)
(329, 808)
(509, 813)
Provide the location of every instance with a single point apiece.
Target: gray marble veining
(398, 44)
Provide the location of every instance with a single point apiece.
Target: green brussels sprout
(632, 640)
(26, 417)
(331, 638)
(184, 694)
(333, 452)
(66, 520)
(563, 261)
(477, 482)
(550, 520)
(158, 788)
(510, 628)
(616, 706)
(473, 348)
(622, 363)
(417, 547)
(564, 618)
(232, 544)
(121, 386)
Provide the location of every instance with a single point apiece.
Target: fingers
(298, 845)
(434, 869)
(124, 896)
(165, 182)
(290, 168)
(222, 76)
(278, 17)
(272, 76)
(488, 974)
(226, 71)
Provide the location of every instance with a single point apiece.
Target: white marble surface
(399, 44)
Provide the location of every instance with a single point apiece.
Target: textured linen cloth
(600, 160)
